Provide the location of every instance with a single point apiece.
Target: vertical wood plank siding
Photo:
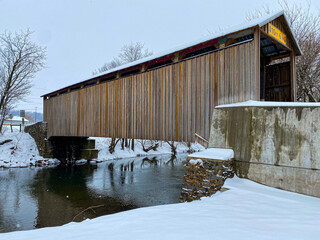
(169, 103)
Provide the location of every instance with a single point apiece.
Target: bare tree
(20, 60)
(148, 145)
(129, 53)
(173, 147)
(306, 27)
(113, 144)
(258, 13)
(133, 52)
(107, 66)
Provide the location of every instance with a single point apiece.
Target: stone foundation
(39, 133)
(66, 149)
(204, 177)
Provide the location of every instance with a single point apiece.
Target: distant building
(15, 120)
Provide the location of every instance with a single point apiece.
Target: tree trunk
(122, 143)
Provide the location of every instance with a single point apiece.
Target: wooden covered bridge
(171, 96)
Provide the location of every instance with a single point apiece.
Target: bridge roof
(210, 39)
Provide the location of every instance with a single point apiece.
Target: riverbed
(42, 197)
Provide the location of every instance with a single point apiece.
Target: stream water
(41, 197)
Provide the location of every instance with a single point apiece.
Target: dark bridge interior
(275, 77)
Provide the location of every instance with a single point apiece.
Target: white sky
(81, 35)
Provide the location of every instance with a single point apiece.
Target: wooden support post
(143, 68)
(176, 57)
(257, 53)
(118, 75)
(11, 127)
(44, 109)
(262, 78)
(293, 77)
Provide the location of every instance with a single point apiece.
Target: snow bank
(102, 145)
(252, 103)
(196, 161)
(21, 151)
(214, 153)
(246, 211)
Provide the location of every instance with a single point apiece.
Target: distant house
(15, 120)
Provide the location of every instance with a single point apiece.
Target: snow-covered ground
(247, 211)
(22, 151)
(102, 145)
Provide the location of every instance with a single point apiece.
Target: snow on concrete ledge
(252, 103)
(214, 153)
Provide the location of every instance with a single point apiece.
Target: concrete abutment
(277, 146)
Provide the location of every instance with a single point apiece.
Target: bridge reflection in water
(41, 197)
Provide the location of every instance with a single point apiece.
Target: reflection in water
(40, 197)
(17, 207)
(62, 193)
(152, 161)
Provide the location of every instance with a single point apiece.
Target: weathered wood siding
(169, 103)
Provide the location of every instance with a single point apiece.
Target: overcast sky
(81, 35)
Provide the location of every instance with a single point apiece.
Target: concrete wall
(276, 146)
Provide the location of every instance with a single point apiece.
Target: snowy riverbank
(102, 145)
(18, 149)
(247, 211)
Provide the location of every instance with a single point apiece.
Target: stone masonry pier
(206, 172)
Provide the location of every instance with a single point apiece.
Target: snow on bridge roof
(255, 22)
(246, 25)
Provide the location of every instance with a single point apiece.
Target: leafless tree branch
(20, 60)
(129, 53)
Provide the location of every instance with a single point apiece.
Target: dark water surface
(41, 197)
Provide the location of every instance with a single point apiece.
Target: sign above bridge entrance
(277, 34)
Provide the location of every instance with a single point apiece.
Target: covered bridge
(171, 96)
